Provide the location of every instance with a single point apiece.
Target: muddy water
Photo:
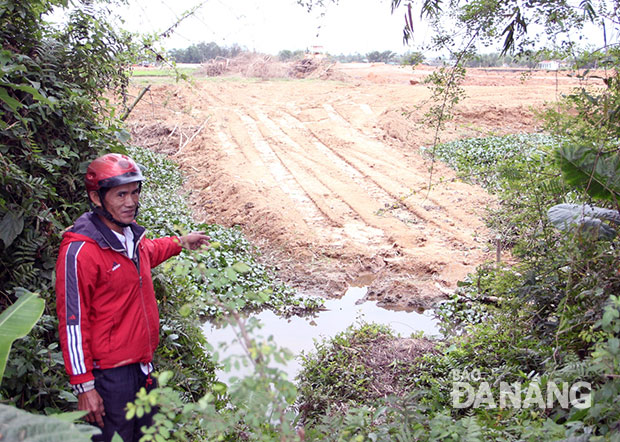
(299, 333)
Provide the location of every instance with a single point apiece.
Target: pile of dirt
(246, 64)
(316, 68)
(215, 67)
(262, 66)
(401, 125)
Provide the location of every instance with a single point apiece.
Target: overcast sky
(273, 25)
(269, 26)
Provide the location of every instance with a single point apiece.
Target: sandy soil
(326, 177)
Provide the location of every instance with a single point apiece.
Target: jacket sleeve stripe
(72, 309)
(72, 289)
(74, 338)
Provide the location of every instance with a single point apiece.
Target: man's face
(121, 201)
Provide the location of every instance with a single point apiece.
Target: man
(108, 315)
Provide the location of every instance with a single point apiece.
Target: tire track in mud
(281, 165)
(360, 139)
(227, 145)
(310, 174)
(285, 179)
(403, 196)
(232, 142)
(374, 191)
(326, 207)
(335, 116)
(336, 189)
(303, 156)
(405, 211)
(267, 158)
(399, 211)
(332, 158)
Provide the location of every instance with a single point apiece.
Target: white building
(549, 65)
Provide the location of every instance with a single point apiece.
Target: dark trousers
(118, 386)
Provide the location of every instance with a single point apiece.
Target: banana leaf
(17, 321)
(587, 168)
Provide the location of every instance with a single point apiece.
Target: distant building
(438, 61)
(549, 65)
(316, 52)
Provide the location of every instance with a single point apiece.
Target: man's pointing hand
(194, 240)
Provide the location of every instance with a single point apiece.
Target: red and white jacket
(107, 311)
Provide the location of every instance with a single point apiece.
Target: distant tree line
(409, 58)
(497, 60)
(286, 55)
(350, 58)
(201, 52)
(370, 57)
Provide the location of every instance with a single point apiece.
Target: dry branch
(193, 136)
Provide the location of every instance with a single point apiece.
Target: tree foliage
(349, 58)
(286, 55)
(412, 58)
(380, 57)
(495, 59)
(51, 95)
(202, 52)
(595, 170)
(519, 27)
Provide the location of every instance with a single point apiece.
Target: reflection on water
(298, 333)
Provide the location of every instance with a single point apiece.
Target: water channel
(298, 333)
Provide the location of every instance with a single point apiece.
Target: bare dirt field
(326, 176)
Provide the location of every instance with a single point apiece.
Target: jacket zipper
(146, 316)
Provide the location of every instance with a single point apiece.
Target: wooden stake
(138, 98)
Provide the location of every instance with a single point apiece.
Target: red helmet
(112, 170)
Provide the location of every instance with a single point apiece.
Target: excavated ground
(327, 179)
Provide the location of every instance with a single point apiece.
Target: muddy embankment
(326, 177)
